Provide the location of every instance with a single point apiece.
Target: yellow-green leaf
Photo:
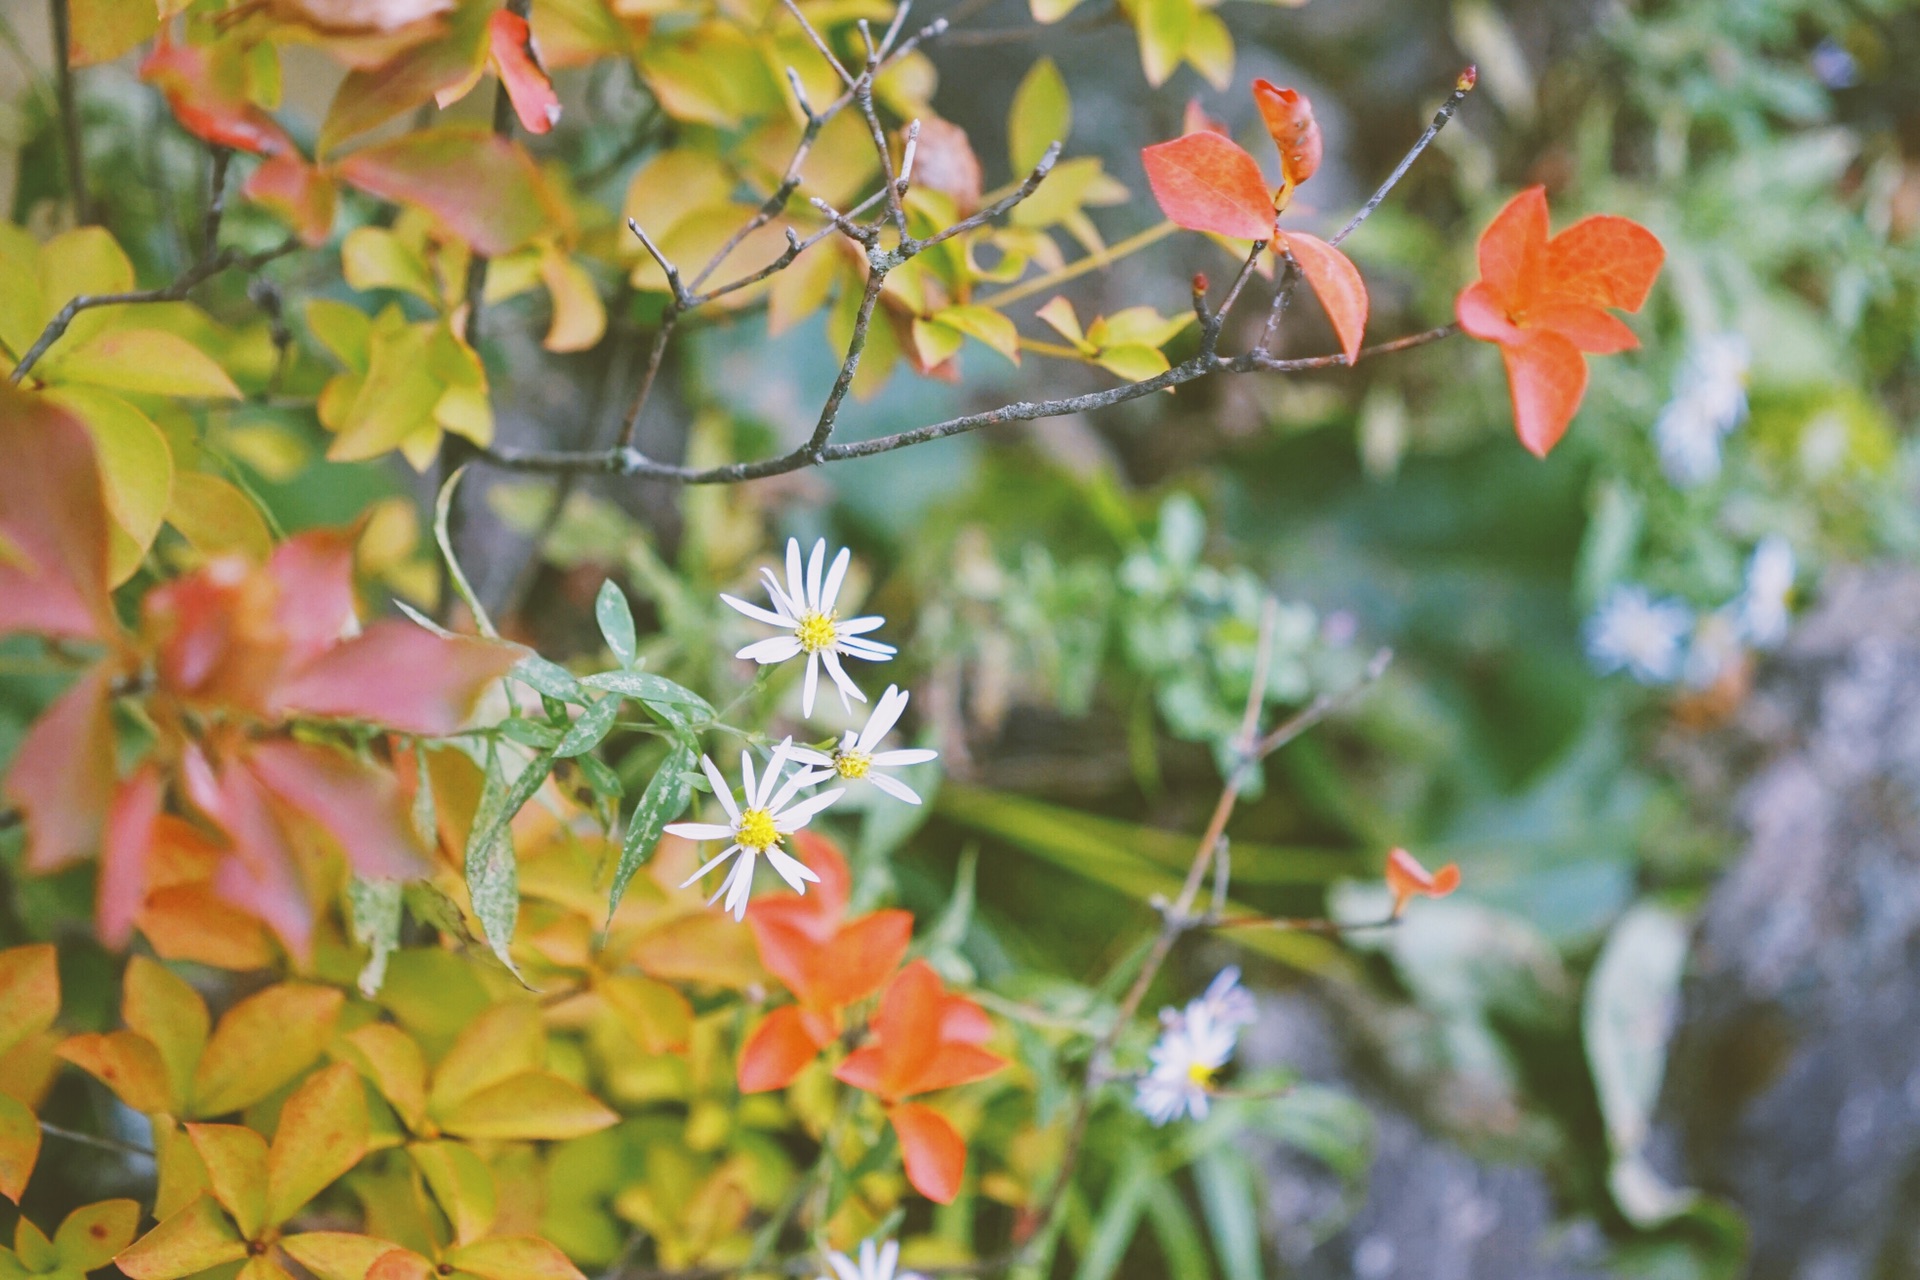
(391, 1059)
(462, 1185)
(216, 518)
(504, 1041)
(93, 1233)
(29, 992)
(235, 1158)
(177, 1168)
(261, 1043)
(532, 1106)
(102, 30)
(19, 1146)
(1210, 49)
(322, 1134)
(396, 398)
(375, 258)
(158, 1003)
(1163, 27)
(579, 317)
(147, 360)
(336, 1255)
(935, 342)
(193, 1239)
(343, 329)
(1133, 363)
(513, 1258)
(136, 467)
(984, 324)
(656, 1015)
(1137, 327)
(1041, 115)
(1051, 10)
(1058, 315)
(127, 1063)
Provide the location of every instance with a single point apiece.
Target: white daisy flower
(1709, 400)
(1632, 631)
(769, 812)
(855, 757)
(1226, 1001)
(1765, 611)
(804, 612)
(1714, 649)
(1194, 1044)
(876, 1263)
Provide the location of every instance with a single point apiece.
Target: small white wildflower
(1764, 604)
(1709, 400)
(1715, 647)
(769, 812)
(1645, 637)
(874, 1264)
(1195, 1042)
(804, 612)
(855, 757)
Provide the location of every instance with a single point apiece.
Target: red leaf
(859, 960)
(314, 572)
(1513, 248)
(62, 775)
(864, 1068)
(1589, 328)
(1407, 878)
(1337, 283)
(206, 87)
(1482, 314)
(125, 855)
(1605, 261)
(511, 44)
(398, 675)
(1289, 118)
(302, 193)
(53, 523)
(1196, 120)
(259, 875)
(779, 1049)
(1548, 377)
(1205, 182)
(356, 803)
(934, 1153)
(482, 188)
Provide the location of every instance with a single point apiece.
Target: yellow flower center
(756, 830)
(1201, 1074)
(816, 632)
(852, 764)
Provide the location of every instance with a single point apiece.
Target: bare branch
(1461, 88)
(69, 107)
(846, 77)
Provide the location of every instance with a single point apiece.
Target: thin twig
(95, 1140)
(69, 107)
(1461, 88)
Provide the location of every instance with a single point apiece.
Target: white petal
(815, 563)
(755, 612)
(796, 580)
(718, 858)
(807, 755)
(860, 626)
(801, 778)
(886, 713)
(835, 576)
(812, 685)
(848, 689)
(889, 1258)
(904, 757)
(792, 870)
(868, 650)
(749, 790)
(739, 885)
(843, 1267)
(771, 778)
(772, 649)
(894, 787)
(721, 790)
(781, 600)
(700, 830)
(793, 819)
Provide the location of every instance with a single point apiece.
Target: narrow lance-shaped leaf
(493, 881)
(615, 616)
(664, 800)
(442, 509)
(655, 691)
(590, 728)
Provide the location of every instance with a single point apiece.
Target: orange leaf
(1594, 331)
(1513, 248)
(193, 1239)
(1289, 118)
(127, 1063)
(933, 1151)
(780, 1048)
(483, 189)
(372, 95)
(19, 1147)
(322, 1134)
(206, 87)
(1337, 283)
(303, 194)
(511, 45)
(1406, 878)
(1604, 261)
(401, 1264)
(29, 992)
(1205, 182)
(860, 958)
(1547, 376)
(53, 523)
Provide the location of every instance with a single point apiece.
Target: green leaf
(375, 906)
(616, 622)
(1119, 1219)
(1226, 1197)
(1179, 1237)
(530, 733)
(590, 728)
(148, 360)
(601, 778)
(442, 508)
(1041, 114)
(664, 800)
(550, 679)
(985, 325)
(655, 691)
(493, 880)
